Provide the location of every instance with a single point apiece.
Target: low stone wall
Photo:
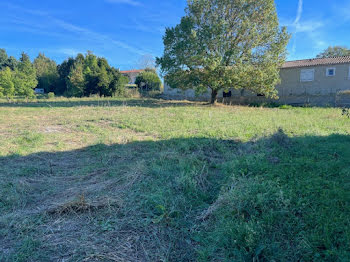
(343, 99)
(301, 100)
(312, 100)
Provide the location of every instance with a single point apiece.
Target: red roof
(317, 62)
(132, 71)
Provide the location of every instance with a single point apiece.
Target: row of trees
(83, 75)
(89, 75)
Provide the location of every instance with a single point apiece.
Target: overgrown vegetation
(152, 180)
(148, 80)
(76, 77)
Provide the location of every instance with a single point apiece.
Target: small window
(330, 71)
(307, 75)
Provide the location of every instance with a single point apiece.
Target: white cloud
(78, 32)
(128, 2)
(312, 29)
(68, 51)
(94, 36)
(308, 26)
(296, 24)
(299, 12)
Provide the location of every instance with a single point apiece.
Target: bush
(132, 92)
(148, 80)
(285, 107)
(264, 104)
(51, 95)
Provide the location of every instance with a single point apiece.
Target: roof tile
(317, 62)
(131, 71)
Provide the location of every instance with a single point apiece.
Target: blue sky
(124, 30)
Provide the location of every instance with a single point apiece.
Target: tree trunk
(214, 96)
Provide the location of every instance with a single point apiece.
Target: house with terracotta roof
(320, 81)
(132, 74)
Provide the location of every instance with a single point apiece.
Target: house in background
(132, 74)
(321, 81)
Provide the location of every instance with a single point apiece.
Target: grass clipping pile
(82, 205)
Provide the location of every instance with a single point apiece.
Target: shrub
(51, 95)
(264, 104)
(285, 107)
(134, 92)
(148, 80)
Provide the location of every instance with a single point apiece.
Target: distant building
(39, 91)
(132, 74)
(321, 81)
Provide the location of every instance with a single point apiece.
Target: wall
(322, 91)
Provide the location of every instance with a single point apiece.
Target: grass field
(154, 180)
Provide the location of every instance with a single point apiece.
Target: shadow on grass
(147, 102)
(278, 198)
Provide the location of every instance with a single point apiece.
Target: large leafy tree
(334, 51)
(117, 85)
(63, 72)
(91, 72)
(47, 74)
(76, 81)
(103, 81)
(25, 77)
(7, 88)
(223, 44)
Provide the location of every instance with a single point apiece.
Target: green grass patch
(154, 180)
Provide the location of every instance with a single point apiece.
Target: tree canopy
(223, 44)
(46, 72)
(83, 75)
(6, 61)
(7, 88)
(334, 51)
(25, 77)
(90, 75)
(148, 80)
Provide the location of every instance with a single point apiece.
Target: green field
(154, 180)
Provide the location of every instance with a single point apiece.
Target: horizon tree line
(80, 76)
